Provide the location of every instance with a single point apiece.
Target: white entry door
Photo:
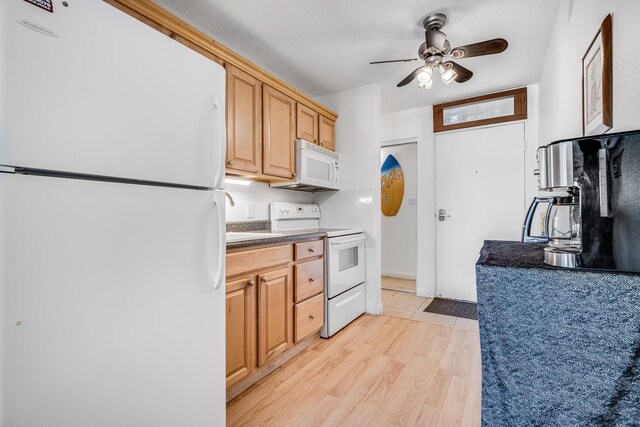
(480, 192)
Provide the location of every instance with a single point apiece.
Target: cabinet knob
(230, 162)
(263, 279)
(251, 282)
(310, 249)
(311, 279)
(311, 316)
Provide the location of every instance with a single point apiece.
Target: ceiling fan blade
(463, 74)
(488, 47)
(394, 60)
(411, 76)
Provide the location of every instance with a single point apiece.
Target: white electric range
(344, 285)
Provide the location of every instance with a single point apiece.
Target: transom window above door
(481, 110)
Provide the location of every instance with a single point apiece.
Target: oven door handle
(338, 241)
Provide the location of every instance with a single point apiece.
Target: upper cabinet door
(279, 133)
(306, 123)
(244, 121)
(327, 133)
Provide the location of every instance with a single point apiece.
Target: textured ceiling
(321, 47)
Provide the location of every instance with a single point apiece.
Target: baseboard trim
(399, 274)
(424, 293)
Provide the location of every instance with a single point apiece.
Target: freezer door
(109, 310)
(105, 94)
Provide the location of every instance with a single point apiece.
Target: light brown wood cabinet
(275, 321)
(278, 112)
(306, 123)
(309, 316)
(240, 322)
(309, 279)
(274, 306)
(244, 122)
(327, 133)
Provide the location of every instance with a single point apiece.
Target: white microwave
(317, 168)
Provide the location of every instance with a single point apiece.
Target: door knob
(442, 215)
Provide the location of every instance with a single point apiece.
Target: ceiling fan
(437, 54)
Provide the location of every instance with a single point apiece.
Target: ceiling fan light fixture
(425, 76)
(448, 74)
(425, 84)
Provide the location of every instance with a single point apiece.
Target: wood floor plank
(380, 370)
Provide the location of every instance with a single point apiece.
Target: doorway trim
(421, 272)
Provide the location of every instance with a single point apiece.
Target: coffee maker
(592, 218)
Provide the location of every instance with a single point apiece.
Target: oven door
(317, 170)
(345, 263)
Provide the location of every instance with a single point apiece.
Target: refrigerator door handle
(219, 240)
(221, 142)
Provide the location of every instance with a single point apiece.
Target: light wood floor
(396, 284)
(378, 371)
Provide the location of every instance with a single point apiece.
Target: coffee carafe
(563, 225)
(556, 222)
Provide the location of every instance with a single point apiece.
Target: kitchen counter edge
(289, 237)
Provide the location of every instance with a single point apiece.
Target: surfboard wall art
(392, 185)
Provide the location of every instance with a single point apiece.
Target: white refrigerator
(112, 228)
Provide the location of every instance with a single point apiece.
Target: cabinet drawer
(309, 316)
(311, 249)
(257, 259)
(309, 278)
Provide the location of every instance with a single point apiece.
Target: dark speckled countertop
(504, 253)
(501, 253)
(286, 237)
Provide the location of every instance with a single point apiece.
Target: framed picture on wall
(597, 91)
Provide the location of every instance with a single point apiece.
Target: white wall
(358, 202)
(261, 195)
(399, 241)
(561, 80)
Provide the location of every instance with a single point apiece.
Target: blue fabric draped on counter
(560, 347)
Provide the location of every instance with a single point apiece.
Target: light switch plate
(250, 213)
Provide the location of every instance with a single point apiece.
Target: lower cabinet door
(275, 314)
(241, 328)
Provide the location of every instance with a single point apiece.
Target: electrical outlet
(249, 213)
